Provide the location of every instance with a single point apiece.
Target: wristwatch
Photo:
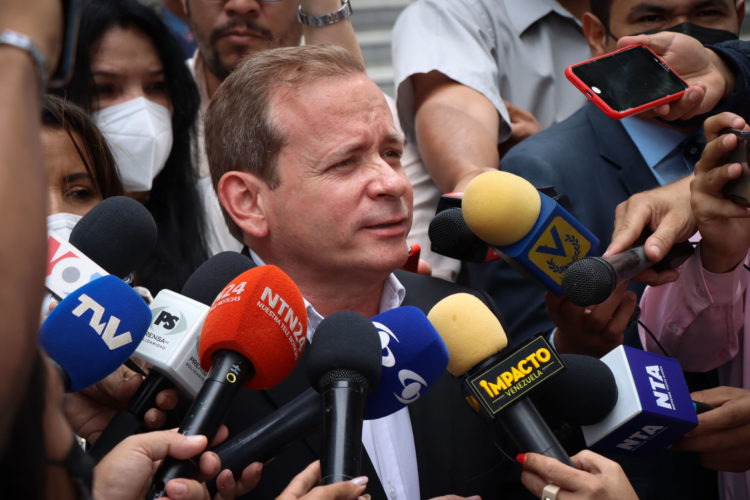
(325, 19)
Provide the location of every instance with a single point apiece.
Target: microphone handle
(127, 423)
(228, 372)
(263, 440)
(629, 263)
(529, 431)
(344, 405)
(123, 424)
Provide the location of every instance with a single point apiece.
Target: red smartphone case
(601, 104)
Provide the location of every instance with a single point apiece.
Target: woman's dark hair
(90, 144)
(174, 200)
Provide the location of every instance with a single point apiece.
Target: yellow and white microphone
(532, 231)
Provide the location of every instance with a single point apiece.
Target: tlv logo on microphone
(68, 268)
(108, 330)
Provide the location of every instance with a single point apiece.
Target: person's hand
(40, 20)
(302, 487)
(522, 125)
(709, 77)
(667, 212)
(90, 410)
(723, 224)
(594, 477)
(722, 437)
(593, 330)
(127, 471)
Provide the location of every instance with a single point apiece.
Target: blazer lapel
(616, 147)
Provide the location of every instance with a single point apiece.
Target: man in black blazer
(305, 158)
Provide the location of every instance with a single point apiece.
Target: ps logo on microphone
(165, 322)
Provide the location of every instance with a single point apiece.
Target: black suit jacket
(454, 446)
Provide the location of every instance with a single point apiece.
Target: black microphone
(343, 366)
(592, 280)
(582, 394)
(413, 358)
(173, 354)
(450, 236)
(497, 383)
(118, 234)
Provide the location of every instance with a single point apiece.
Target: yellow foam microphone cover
(500, 207)
(469, 329)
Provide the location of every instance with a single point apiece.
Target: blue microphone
(413, 358)
(94, 330)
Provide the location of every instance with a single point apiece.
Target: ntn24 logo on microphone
(68, 268)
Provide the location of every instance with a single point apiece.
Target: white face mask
(139, 132)
(62, 224)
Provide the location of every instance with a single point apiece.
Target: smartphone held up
(628, 81)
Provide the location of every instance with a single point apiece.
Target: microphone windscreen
(501, 208)
(118, 234)
(582, 394)
(260, 315)
(348, 341)
(469, 329)
(212, 276)
(588, 281)
(95, 329)
(448, 230)
(413, 359)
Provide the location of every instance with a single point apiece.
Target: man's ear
(242, 195)
(595, 33)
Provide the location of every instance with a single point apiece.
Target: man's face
(228, 30)
(343, 203)
(630, 17)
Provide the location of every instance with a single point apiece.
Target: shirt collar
(522, 18)
(197, 67)
(654, 142)
(392, 297)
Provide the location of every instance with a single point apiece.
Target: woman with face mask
(131, 76)
(79, 166)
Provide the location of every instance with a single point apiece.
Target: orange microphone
(253, 336)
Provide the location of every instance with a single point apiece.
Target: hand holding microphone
(171, 347)
(591, 477)
(413, 357)
(253, 336)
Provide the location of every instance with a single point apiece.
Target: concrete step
(376, 46)
(376, 14)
